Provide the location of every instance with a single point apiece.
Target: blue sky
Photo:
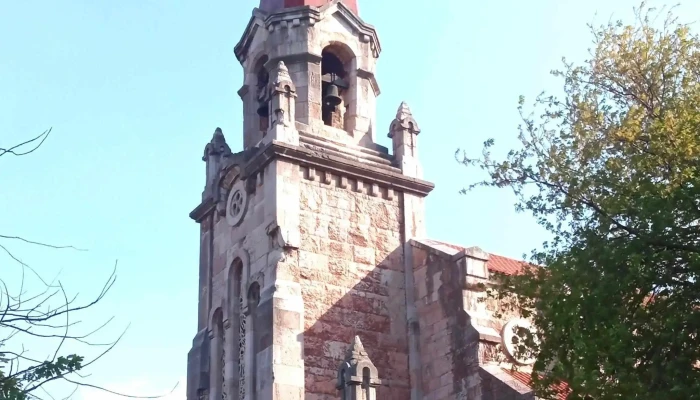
(134, 89)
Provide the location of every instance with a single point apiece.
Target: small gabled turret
(357, 376)
(404, 132)
(214, 153)
(282, 95)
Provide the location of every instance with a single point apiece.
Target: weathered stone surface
(355, 297)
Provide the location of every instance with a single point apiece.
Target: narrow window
(263, 111)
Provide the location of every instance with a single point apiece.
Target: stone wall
(448, 342)
(352, 282)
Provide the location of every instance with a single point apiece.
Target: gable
(496, 263)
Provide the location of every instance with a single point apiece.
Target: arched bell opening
(335, 84)
(262, 95)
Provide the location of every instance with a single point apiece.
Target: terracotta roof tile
(496, 263)
(562, 390)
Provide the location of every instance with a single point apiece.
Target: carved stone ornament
(356, 372)
(241, 350)
(510, 339)
(404, 121)
(237, 204)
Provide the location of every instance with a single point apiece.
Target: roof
(562, 390)
(496, 263)
(276, 5)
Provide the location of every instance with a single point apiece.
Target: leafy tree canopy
(611, 169)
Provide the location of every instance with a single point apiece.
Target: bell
(263, 109)
(332, 97)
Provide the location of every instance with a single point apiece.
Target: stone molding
(305, 16)
(338, 165)
(206, 207)
(367, 156)
(343, 182)
(378, 179)
(369, 75)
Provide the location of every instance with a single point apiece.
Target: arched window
(235, 289)
(335, 66)
(217, 354)
(263, 78)
(253, 301)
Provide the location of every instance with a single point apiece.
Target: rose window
(236, 203)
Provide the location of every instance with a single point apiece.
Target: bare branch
(121, 394)
(40, 243)
(15, 150)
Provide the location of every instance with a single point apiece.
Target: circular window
(511, 340)
(237, 202)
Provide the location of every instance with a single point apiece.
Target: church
(316, 279)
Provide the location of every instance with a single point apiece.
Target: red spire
(276, 5)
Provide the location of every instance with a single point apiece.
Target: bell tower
(304, 234)
(331, 56)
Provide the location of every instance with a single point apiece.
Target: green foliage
(611, 169)
(19, 385)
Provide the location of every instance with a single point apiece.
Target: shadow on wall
(373, 309)
(352, 277)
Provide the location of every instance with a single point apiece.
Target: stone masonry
(315, 279)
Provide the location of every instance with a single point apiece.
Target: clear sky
(134, 89)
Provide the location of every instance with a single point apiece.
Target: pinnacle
(282, 73)
(356, 348)
(403, 111)
(218, 136)
(218, 139)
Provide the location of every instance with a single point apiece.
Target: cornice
(241, 48)
(207, 206)
(305, 15)
(387, 176)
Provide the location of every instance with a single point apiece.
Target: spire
(270, 6)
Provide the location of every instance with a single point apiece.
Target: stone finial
(217, 146)
(281, 74)
(357, 375)
(404, 132)
(403, 121)
(282, 95)
(356, 350)
(214, 152)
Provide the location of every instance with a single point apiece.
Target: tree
(41, 313)
(611, 169)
